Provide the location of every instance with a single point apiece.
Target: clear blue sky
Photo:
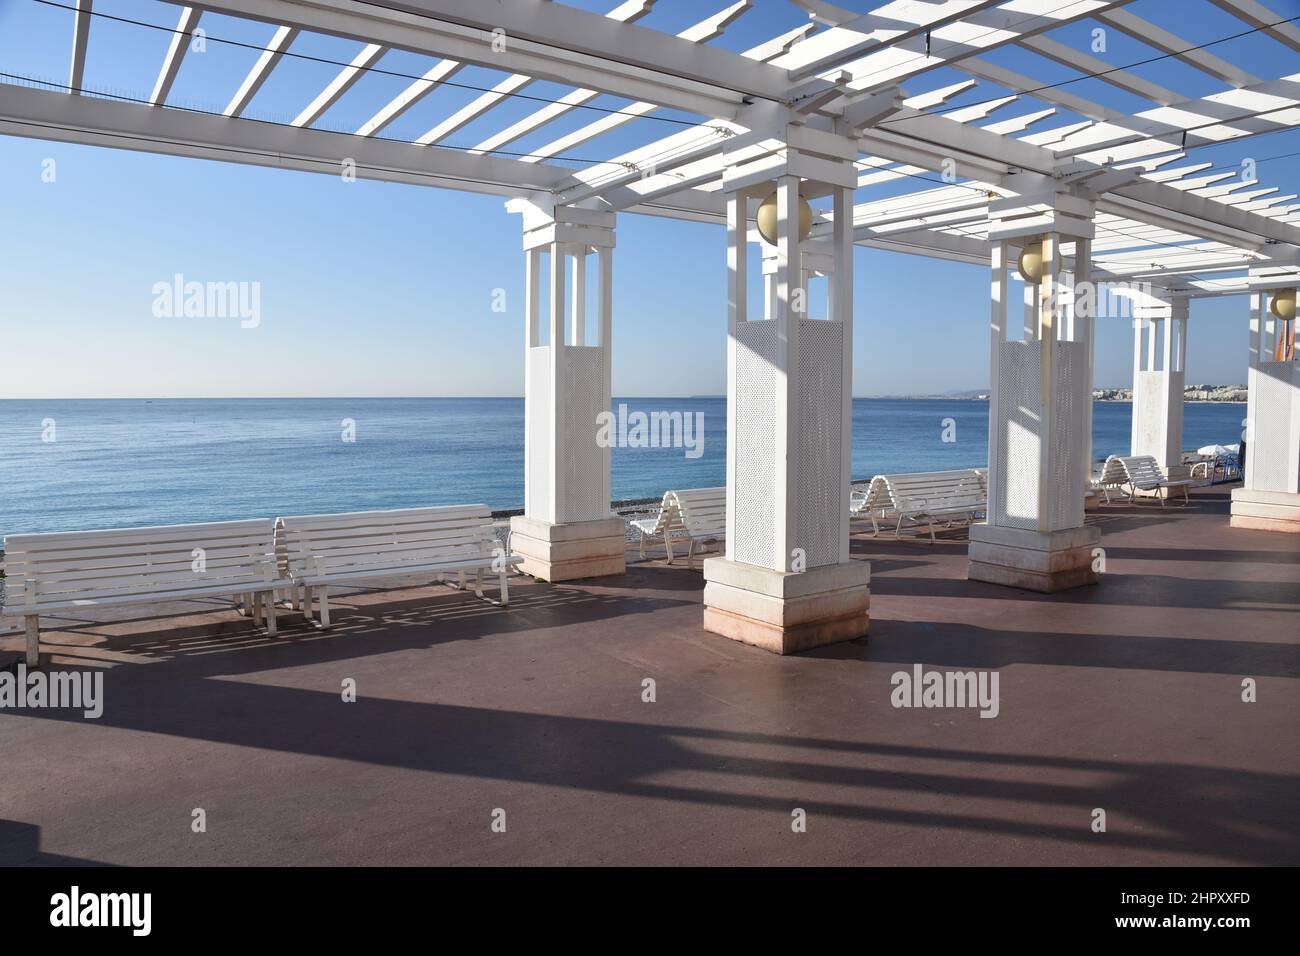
(375, 289)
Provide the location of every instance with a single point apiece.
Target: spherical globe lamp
(1283, 305)
(767, 219)
(1030, 265)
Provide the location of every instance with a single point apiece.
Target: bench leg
(33, 624)
(503, 581)
(668, 544)
(306, 602)
(269, 610)
(460, 577)
(297, 597)
(643, 544)
(478, 582)
(323, 594)
(255, 602)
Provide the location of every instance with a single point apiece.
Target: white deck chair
(1112, 478)
(1144, 474)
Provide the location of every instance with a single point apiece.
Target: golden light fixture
(1283, 304)
(1030, 264)
(767, 219)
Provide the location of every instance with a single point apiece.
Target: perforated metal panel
(1017, 417)
(1149, 415)
(1023, 432)
(1066, 443)
(1158, 417)
(1275, 418)
(582, 397)
(1174, 430)
(538, 391)
(818, 476)
(755, 443)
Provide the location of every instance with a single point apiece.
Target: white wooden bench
(317, 551)
(75, 569)
(1144, 474)
(698, 513)
(923, 498)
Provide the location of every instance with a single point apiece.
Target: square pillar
(567, 530)
(1269, 499)
(786, 582)
(1034, 536)
(1159, 380)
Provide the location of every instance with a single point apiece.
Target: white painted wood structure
(820, 109)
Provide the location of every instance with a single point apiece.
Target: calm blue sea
(123, 463)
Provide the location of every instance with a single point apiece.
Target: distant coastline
(1192, 395)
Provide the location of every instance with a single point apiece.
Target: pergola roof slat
(80, 40)
(1154, 36)
(707, 29)
(180, 42)
(344, 81)
(266, 62)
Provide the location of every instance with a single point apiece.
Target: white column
(1083, 331)
(1034, 536)
(787, 582)
(1269, 499)
(1158, 383)
(567, 530)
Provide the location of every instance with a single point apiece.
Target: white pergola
(821, 112)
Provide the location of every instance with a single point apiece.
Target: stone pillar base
(1265, 510)
(1034, 561)
(565, 552)
(1092, 501)
(786, 612)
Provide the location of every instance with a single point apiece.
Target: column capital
(822, 162)
(1038, 209)
(546, 223)
(1281, 271)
